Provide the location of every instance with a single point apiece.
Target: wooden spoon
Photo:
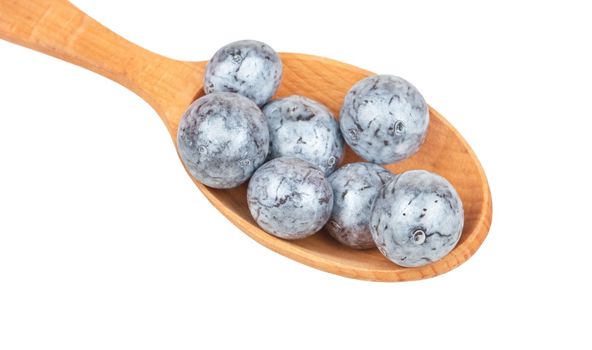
(59, 29)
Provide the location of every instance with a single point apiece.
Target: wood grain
(59, 29)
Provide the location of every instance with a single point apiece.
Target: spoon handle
(59, 29)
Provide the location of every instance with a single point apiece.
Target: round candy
(222, 139)
(290, 198)
(303, 128)
(248, 67)
(417, 218)
(355, 187)
(384, 119)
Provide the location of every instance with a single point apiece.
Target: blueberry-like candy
(303, 128)
(384, 119)
(248, 67)
(222, 139)
(417, 218)
(290, 198)
(355, 187)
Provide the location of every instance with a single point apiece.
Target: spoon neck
(59, 29)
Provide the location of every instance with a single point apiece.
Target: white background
(105, 243)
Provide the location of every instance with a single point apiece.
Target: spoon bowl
(57, 28)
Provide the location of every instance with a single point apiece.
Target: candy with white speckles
(222, 139)
(417, 218)
(290, 198)
(303, 128)
(248, 67)
(384, 119)
(355, 187)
